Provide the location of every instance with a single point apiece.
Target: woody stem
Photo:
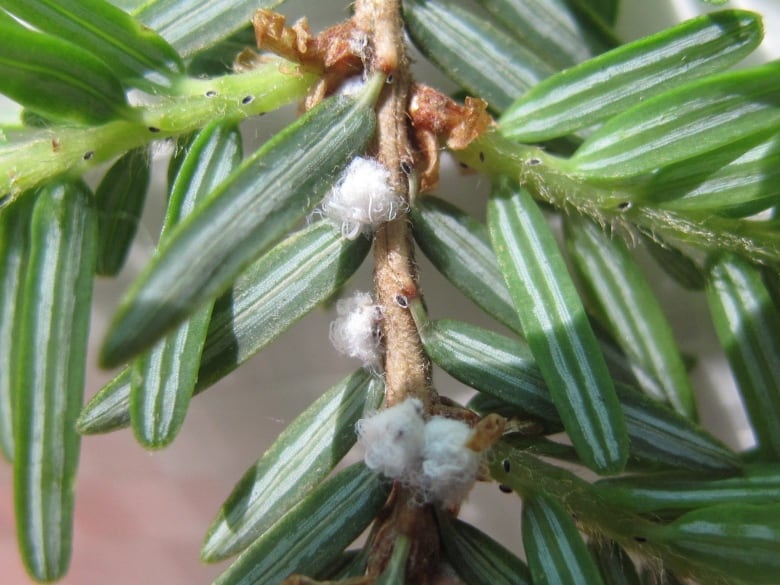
(407, 369)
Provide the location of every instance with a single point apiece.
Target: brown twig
(407, 369)
(411, 120)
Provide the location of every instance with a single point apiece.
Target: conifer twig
(407, 369)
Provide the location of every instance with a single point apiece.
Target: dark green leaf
(485, 403)
(473, 51)
(740, 541)
(303, 271)
(459, 246)
(163, 378)
(194, 25)
(555, 550)
(634, 315)
(49, 373)
(311, 535)
(682, 268)
(14, 252)
(562, 32)
(201, 164)
(615, 565)
(134, 52)
(771, 277)
(621, 367)
(256, 206)
(557, 329)
(491, 363)
(477, 558)
(281, 287)
(598, 89)
(542, 447)
(501, 367)
(120, 201)
(109, 409)
(606, 9)
(300, 458)
(712, 114)
(219, 59)
(351, 563)
(180, 150)
(57, 79)
(659, 434)
(748, 326)
(760, 484)
(527, 474)
(736, 183)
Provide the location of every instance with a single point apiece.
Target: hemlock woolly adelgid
(362, 199)
(449, 467)
(393, 439)
(431, 457)
(355, 332)
(352, 86)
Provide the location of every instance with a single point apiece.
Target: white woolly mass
(362, 199)
(393, 439)
(355, 332)
(449, 468)
(352, 86)
(431, 457)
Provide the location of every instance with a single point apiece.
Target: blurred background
(141, 516)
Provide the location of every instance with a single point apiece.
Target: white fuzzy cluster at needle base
(352, 86)
(431, 457)
(449, 468)
(393, 439)
(356, 333)
(362, 199)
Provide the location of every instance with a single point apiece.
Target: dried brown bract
(403, 516)
(438, 119)
(487, 432)
(335, 54)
